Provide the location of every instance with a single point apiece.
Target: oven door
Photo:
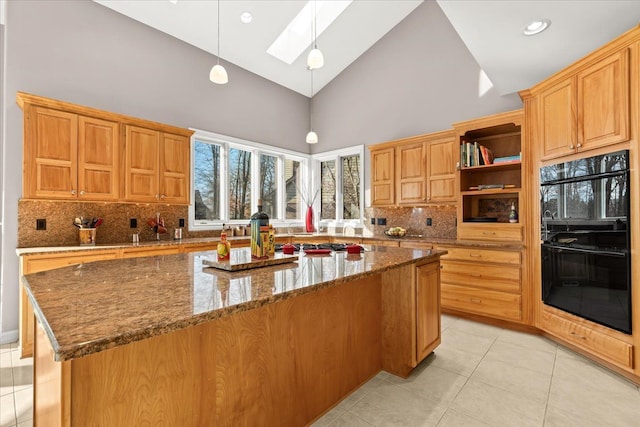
(593, 284)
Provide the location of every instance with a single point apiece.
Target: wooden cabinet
(486, 282)
(414, 171)
(411, 173)
(442, 156)
(69, 156)
(427, 309)
(156, 166)
(489, 189)
(611, 346)
(587, 110)
(42, 262)
(412, 244)
(411, 315)
(383, 176)
(73, 152)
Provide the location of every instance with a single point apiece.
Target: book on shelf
(507, 159)
(474, 154)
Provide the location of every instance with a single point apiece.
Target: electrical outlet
(373, 221)
(429, 222)
(41, 224)
(382, 221)
(181, 222)
(133, 223)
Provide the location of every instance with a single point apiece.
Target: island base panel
(283, 364)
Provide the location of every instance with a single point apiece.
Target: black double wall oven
(586, 261)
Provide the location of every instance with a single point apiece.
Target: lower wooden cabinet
(486, 282)
(609, 345)
(427, 309)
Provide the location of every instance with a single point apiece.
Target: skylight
(298, 35)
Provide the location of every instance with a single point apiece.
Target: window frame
(337, 155)
(256, 149)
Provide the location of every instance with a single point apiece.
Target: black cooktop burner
(337, 247)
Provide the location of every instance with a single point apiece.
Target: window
(340, 176)
(231, 175)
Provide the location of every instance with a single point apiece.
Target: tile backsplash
(414, 219)
(115, 228)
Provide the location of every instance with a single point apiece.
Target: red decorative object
(309, 219)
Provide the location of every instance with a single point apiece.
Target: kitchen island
(165, 341)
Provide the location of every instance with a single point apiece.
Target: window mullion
(224, 182)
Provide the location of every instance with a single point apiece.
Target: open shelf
(513, 191)
(513, 165)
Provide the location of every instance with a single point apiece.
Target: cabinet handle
(157, 196)
(475, 255)
(475, 275)
(162, 196)
(73, 192)
(571, 146)
(579, 145)
(489, 233)
(82, 192)
(475, 300)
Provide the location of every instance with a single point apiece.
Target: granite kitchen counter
(91, 307)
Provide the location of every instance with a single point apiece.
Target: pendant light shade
(312, 137)
(218, 74)
(315, 58)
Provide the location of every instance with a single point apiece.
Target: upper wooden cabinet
(69, 156)
(411, 173)
(74, 152)
(442, 155)
(414, 171)
(383, 176)
(587, 110)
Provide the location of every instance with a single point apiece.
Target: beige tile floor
(479, 376)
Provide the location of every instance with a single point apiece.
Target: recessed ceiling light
(246, 17)
(173, 1)
(536, 27)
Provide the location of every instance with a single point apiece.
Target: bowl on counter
(395, 232)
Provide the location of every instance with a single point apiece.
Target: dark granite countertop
(215, 240)
(96, 306)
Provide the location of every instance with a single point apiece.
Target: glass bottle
(259, 233)
(513, 214)
(224, 247)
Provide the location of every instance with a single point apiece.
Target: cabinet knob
(73, 192)
(157, 196)
(571, 146)
(162, 196)
(82, 192)
(579, 145)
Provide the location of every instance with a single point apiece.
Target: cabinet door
(427, 309)
(98, 152)
(441, 170)
(174, 168)
(383, 177)
(50, 154)
(558, 121)
(411, 174)
(603, 102)
(141, 165)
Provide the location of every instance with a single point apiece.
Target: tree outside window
(268, 185)
(207, 181)
(239, 184)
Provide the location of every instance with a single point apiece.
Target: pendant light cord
(315, 14)
(311, 103)
(218, 32)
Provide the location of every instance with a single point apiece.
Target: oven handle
(584, 251)
(585, 177)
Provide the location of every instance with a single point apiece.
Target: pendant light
(312, 137)
(315, 58)
(218, 74)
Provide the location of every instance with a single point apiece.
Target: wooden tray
(241, 260)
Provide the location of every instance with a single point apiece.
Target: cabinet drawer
(391, 243)
(199, 247)
(416, 245)
(142, 252)
(480, 301)
(484, 255)
(607, 347)
(492, 232)
(44, 263)
(493, 277)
